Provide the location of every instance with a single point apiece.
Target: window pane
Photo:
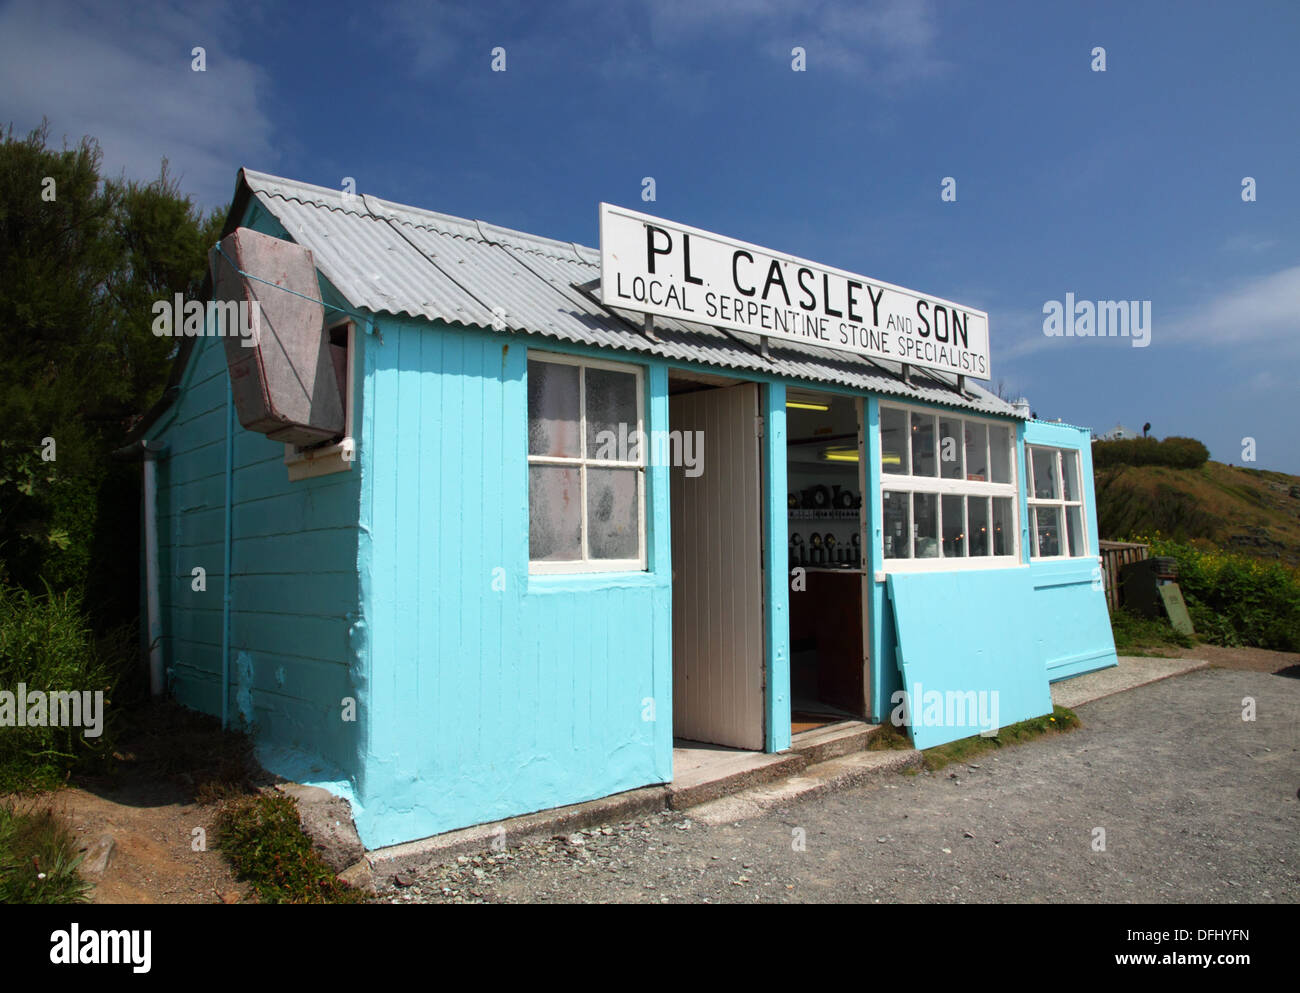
(554, 513)
(923, 458)
(954, 527)
(898, 526)
(893, 441)
(977, 452)
(1070, 474)
(1074, 519)
(1047, 525)
(1004, 526)
(977, 525)
(950, 448)
(611, 416)
(999, 454)
(552, 409)
(925, 512)
(1044, 468)
(612, 514)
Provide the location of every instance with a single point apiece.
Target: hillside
(1246, 510)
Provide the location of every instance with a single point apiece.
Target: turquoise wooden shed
(552, 536)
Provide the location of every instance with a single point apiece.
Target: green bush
(46, 644)
(1178, 453)
(1235, 599)
(263, 839)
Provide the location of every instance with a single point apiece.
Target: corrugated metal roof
(390, 258)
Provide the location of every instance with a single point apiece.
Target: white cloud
(1260, 311)
(121, 74)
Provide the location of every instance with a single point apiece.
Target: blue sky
(1123, 184)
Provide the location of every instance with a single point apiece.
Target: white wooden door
(718, 652)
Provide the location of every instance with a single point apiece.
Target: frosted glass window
(611, 414)
(586, 466)
(613, 513)
(554, 513)
(553, 409)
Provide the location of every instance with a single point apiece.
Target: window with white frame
(586, 465)
(948, 489)
(1056, 521)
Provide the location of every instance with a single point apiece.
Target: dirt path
(152, 859)
(1250, 659)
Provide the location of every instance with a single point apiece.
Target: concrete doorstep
(718, 785)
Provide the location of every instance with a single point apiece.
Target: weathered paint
(292, 578)
(495, 692)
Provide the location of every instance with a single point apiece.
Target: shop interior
(826, 535)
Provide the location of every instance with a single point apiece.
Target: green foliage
(1235, 599)
(38, 859)
(1178, 453)
(79, 273)
(1060, 720)
(1123, 508)
(1136, 635)
(264, 840)
(46, 643)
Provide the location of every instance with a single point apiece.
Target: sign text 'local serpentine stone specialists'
(658, 267)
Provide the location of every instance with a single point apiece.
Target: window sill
(589, 582)
(320, 461)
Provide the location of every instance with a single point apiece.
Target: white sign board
(658, 267)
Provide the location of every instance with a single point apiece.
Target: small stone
(881, 840)
(967, 834)
(403, 879)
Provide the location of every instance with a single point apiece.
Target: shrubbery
(47, 645)
(1177, 453)
(1236, 599)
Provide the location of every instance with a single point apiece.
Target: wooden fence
(1114, 556)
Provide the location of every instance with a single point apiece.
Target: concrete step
(832, 741)
(822, 777)
(728, 773)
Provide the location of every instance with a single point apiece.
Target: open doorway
(827, 555)
(716, 507)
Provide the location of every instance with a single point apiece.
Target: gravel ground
(1197, 806)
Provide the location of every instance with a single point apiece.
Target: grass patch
(38, 858)
(1059, 721)
(263, 839)
(1138, 635)
(888, 737)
